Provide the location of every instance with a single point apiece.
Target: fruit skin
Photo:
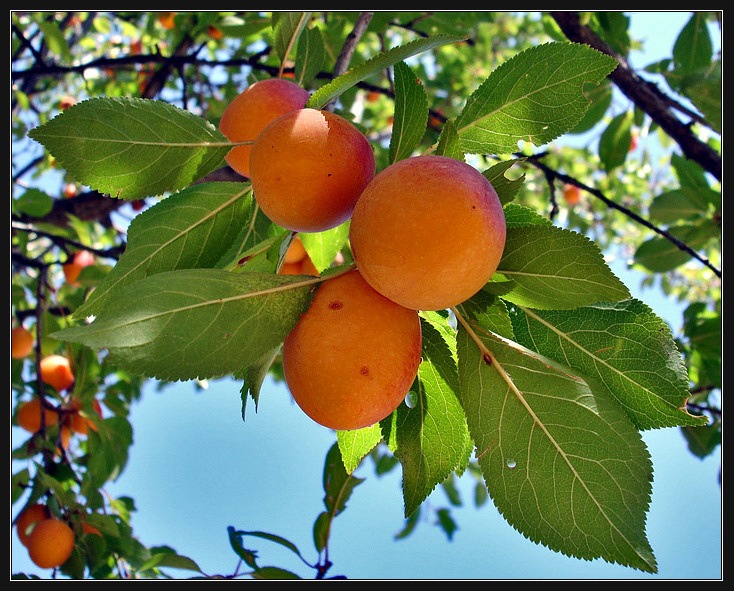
(81, 259)
(50, 543)
(29, 516)
(253, 109)
(571, 194)
(56, 371)
(308, 168)
(428, 232)
(21, 342)
(29, 416)
(352, 358)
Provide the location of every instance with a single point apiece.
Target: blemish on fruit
(335, 305)
(364, 370)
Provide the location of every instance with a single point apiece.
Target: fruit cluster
(49, 539)
(426, 233)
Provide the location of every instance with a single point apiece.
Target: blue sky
(196, 468)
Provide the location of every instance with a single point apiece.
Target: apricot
(56, 371)
(353, 356)
(81, 259)
(50, 543)
(21, 342)
(80, 424)
(29, 416)
(30, 516)
(254, 108)
(428, 232)
(308, 168)
(571, 194)
(296, 251)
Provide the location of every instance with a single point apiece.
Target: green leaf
(34, 202)
(189, 229)
(310, 56)
(322, 247)
(197, 323)
(506, 188)
(411, 113)
(132, 148)
(338, 485)
(287, 28)
(658, 254)
(170, 560)
(614, 144)
(432, 434)
(535, 97)
(601, 99)
(355, 444)
(553, 268)
(448, 142)
(265, 573)
(324, 95)
(684, 203)
(625, 349)
(563, 464)
(693, 50)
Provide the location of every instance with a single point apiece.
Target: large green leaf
(197, 323)
(132, 148)
(535, 97)
(553, 268)
(625, 348)
(432, 435)
(562, 463)
(189, 229)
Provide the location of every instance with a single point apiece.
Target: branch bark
(645, 95)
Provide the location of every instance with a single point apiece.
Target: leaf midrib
(483, 349)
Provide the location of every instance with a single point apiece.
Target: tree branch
(643, 94)
(554, 174)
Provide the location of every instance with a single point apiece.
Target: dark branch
(646, 96)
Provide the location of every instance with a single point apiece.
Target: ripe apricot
(428, 232)
(21, 342)
(80, 424)
(296, 251)
(308, 168)
(50, 543)
(56, 371)
(29, 415)
(81, 259)
(353, 356)
(254, 108)
(30, 516)
(571, 194)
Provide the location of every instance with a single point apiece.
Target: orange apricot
(30, 516)
(296, 251)
(56, 371)
(21, 342)
(308, 168)
(29, 415)
(50, 543)
(254, 108)
(428, 232)
(352, 358)
(571, 194)
(81, 259)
